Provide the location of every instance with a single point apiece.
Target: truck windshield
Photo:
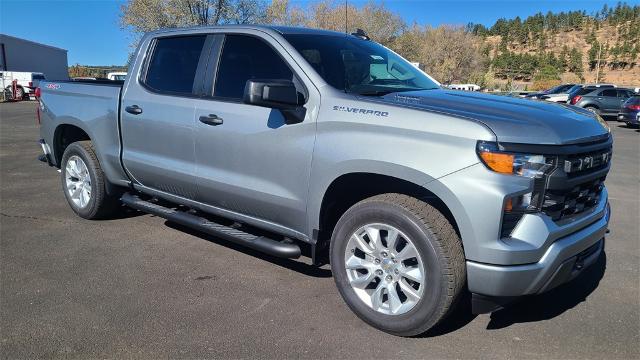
(359, 66)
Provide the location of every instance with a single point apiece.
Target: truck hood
(511, 119)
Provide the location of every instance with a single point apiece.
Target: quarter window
(244, 58)
(174, 63)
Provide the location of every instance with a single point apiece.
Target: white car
(562, 97)
(117, 76)
(27, 82)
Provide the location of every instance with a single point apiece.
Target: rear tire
(439, 255)
(84, 183)
(593, 109)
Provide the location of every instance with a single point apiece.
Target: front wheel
(83, 182)
(398, 263)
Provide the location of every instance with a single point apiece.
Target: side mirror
(275, 94)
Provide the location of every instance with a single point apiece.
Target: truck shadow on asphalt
(529, 309)
(553, 303)
(300, 267)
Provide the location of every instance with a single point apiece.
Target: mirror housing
(275, 94)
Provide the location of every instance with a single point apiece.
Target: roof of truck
(279, 29)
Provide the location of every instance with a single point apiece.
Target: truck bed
(94, 107)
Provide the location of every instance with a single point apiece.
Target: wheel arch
(349, 188)
(63, 136)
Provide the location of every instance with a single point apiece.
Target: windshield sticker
(361, 111)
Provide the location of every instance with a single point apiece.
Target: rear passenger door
(608, 99)
(157, 115)
(252, 163)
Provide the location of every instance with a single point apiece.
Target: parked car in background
(465, 87)
(574, 90)
(27, 82)
(554, 90)
(120, 76)
(630, 112)
(563, 96)
(602, 101)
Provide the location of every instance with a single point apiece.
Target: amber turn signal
(501, 163)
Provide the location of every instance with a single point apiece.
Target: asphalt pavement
(140, 287)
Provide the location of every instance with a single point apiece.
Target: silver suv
(295, 141)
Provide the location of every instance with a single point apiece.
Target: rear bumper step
(259, 243)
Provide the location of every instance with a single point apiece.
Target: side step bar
(259, 243)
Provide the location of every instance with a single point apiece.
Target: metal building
(24, 55)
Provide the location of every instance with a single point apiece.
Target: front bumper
(563, 260)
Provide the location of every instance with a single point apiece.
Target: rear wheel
(83, 182)
(19, 93)
(593, 109)
(398, 263)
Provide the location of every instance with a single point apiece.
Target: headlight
(603, 123)
(528, 165)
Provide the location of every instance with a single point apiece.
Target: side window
(173, 64)
(624, 94)
(243, 58)
(608, 92)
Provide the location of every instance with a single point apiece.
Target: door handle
(133, 109)
(211, 119)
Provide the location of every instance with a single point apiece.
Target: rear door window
(173, 64)
(609, 93)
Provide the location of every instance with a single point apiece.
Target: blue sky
(90, 29)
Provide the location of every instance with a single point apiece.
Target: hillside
(570, 47)
(557, 44)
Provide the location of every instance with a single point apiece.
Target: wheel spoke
(409, 291)
(75, 194)
(71, 171)
(354, 263)
(85, 196)
(374, 237)
(376, 296)
(361, 244)
(364, 280)
(408, 252)
(413, 274)
(392, 239)
(394, 299)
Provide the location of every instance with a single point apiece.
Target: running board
(259, 243)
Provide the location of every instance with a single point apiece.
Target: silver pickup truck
(295, 141)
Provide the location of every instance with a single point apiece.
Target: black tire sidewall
(427, 311)
(91, 209)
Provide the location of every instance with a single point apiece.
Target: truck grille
(561, 204)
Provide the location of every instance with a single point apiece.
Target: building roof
(32, 42)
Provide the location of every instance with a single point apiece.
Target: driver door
(248, 160)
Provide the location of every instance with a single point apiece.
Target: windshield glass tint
(359, 66)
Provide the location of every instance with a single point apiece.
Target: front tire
(83, 182)
(398, 263)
